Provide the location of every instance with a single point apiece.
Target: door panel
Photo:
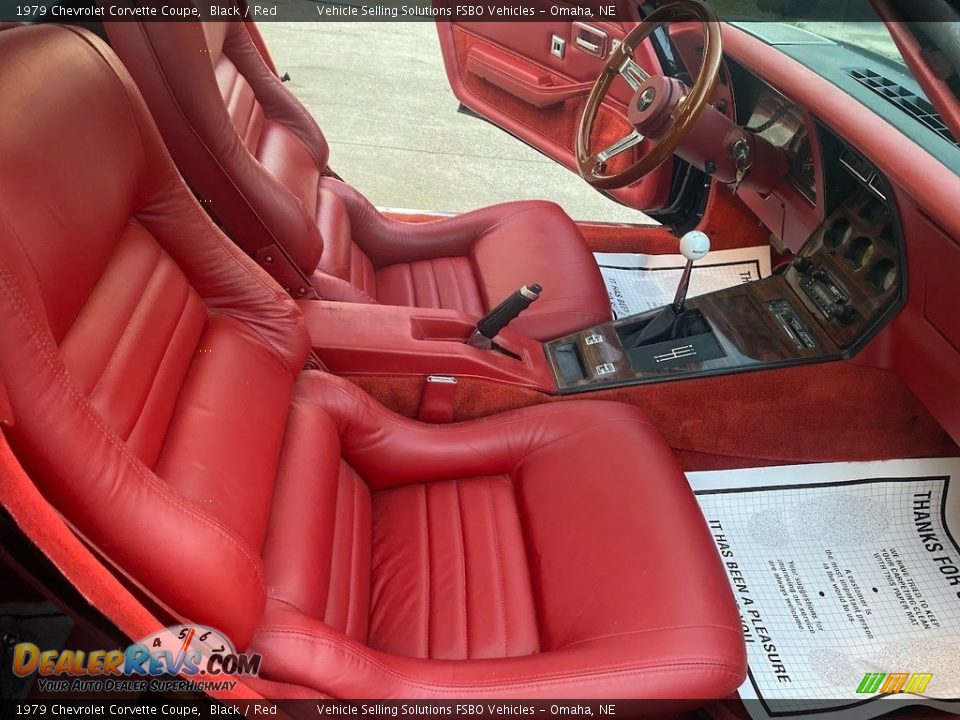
(506, 73)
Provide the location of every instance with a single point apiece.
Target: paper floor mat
(848, 581)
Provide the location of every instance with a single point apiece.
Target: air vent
(909, 102)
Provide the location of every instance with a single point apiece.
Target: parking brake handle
(490, 325)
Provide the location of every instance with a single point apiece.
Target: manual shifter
(693, 246)
(673, 321)
(490, 325)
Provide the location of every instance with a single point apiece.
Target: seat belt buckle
(438, 399)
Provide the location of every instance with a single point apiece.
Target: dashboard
(842, 277)
(849, 256)
(868, 156)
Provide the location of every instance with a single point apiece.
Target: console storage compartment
(359, 339)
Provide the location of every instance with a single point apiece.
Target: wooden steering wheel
(662, 108)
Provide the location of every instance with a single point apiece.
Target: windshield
(850, 22)
(870, 36)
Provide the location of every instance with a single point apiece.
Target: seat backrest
(244, 143)
(148, 362)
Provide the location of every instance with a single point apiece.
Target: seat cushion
(468, 263)
(537, 242)
(514, 244)
(559, 549)
(450, 573)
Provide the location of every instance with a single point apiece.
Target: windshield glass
(850, 22)
(870, 36)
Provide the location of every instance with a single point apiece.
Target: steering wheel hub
(655, 104)
(646, 98)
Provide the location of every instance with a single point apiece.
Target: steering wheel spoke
(620, 146)
(632, 72)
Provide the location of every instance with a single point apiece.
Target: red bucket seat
(249, 148)
(160, 401)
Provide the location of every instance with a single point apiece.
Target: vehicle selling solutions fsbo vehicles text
(395, 12)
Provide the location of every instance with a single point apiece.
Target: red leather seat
(156, 378)
(256, 156)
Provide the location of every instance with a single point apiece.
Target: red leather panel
(317, 553)
(450, 574)
(342, 258)
(219, 435)
(348, 600)
(287, 160)
(442, 283)
(134, 339)
(197, 79)
(330, 287)
(242, 106)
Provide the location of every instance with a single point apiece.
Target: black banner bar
(67, 707)
(412, 10)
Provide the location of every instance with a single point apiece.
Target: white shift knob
(694, 245)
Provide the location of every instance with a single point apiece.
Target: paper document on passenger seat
(841, 571)
(637, 283)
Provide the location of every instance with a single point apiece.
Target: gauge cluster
(781, 122)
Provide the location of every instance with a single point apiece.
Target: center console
(740, 328)
(846, 280)
(357, 339)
